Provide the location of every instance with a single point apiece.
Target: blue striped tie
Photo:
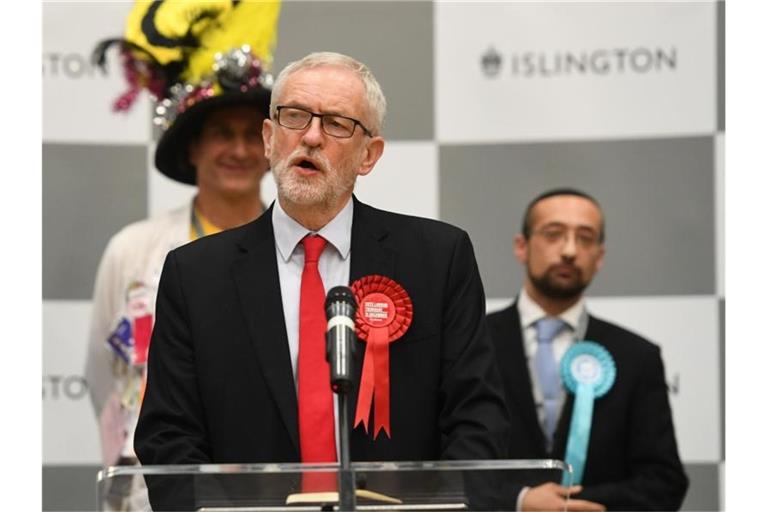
(548, 373)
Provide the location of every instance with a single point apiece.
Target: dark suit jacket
(220, 387)
(632, 460)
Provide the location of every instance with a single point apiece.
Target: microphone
(340, 309)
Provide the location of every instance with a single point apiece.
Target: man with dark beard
(630, 460)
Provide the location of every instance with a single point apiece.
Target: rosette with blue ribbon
(587, 370)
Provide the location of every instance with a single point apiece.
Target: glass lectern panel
(442, 485)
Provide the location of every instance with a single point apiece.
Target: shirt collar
(289, 233)
(531, 312)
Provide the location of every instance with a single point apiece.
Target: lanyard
(197, 227)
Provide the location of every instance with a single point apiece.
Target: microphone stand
(340, 343)
(347, 498)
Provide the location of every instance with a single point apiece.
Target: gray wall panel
(70, 487)
(658, 196)
(704, 490)
(393, 38)
(89, 193)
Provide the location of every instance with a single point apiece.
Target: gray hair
(377, 103)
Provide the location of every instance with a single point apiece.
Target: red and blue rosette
(384, 313)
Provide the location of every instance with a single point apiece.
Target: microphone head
(343, 295)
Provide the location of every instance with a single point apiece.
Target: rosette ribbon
(384, 313)
(587, 370)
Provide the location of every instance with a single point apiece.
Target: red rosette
(384, 313)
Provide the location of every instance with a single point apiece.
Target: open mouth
(306, 164)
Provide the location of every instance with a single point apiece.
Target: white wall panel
(573, 70)
(78, 96)
(404, 180)
(70, 430)
(687, 329)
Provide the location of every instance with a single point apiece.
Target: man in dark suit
(227, 380)
(632, 458)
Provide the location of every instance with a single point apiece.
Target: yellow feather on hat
(191, 32)
(172, 46)
(193, 55)
(252, 23)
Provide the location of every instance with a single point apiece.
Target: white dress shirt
(333, 266)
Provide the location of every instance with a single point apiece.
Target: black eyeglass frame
(313, 115)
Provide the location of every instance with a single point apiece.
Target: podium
(380, 486)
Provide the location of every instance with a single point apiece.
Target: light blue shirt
(575, 318)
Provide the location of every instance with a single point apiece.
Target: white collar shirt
(333, 264)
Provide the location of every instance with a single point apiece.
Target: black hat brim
(171, 156)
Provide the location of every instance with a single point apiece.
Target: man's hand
(551, 496)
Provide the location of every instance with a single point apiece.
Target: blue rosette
(588, 371)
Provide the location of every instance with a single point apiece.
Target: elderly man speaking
(237, 371)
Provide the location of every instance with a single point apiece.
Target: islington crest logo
(491, 62)
(636, 60)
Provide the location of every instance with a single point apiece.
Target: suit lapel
(369, 255)
(258, 285)
(564, 423)
(520, 378)
(563, 426)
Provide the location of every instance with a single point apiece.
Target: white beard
(323, 189)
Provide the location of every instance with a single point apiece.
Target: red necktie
(316, 423)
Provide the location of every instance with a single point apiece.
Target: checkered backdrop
(490, 103)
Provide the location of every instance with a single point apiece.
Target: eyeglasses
(557, 235)
(341, 127)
